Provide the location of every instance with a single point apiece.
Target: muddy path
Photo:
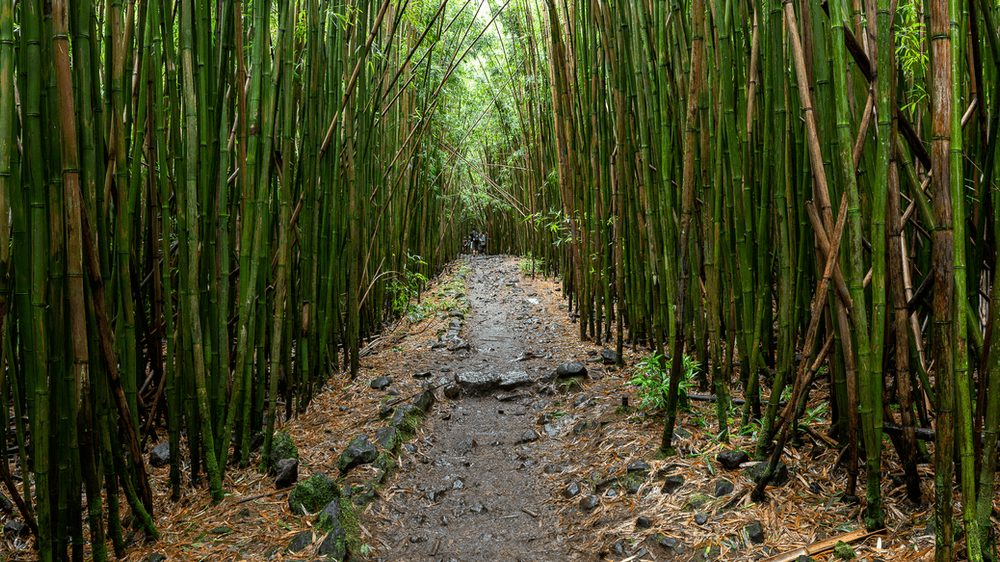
(476, 484)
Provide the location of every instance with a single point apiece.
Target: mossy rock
(844, 551)
(696, 501)
(329, 518)
(310, 495)
(282, 447)
(359, 451)
(570, 385)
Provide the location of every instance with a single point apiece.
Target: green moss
(844, 551)
(312, 494)
(282, 447)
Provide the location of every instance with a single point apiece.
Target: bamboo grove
(214, 205)
(791, 192)
(208, 208)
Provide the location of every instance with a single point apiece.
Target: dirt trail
(473, 489)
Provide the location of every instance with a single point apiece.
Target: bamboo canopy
(210, 207)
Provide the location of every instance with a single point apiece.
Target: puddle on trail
(475, 484)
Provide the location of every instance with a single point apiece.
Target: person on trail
(482, 242)
(474, 240)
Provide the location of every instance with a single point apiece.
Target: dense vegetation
(212, 206)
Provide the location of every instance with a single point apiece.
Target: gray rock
(672, 484)
(329, 518)
(609, 357)
(669, 542)
(551, 429)
(387, 438)
(638, 466)
(312, 494)
(514, 379)
(804, 558)
(465, 446)
(15, 529)
(400, 414)
(571, 491)
(6, 505)
(381, 382)
(589, 503)
(300, 541)
(422, 375)
(334, 546)
(452, 391)
(643, 522)
(700, 518)
(567, 370)
(288, 473)
(529, 436)
(779, 478)
(478, 509)
(359, 451)
(385, 411)
(156, 557)
(723, 488)
(424, 401)
(731, 460)
(477, 383)
(755, 533)
(160, 455)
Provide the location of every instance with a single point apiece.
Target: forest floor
(532, 472)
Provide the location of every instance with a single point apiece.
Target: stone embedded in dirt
(156, 557)
(700, 518)
(643, 522)
(300, 541)
(160, 455)
(435, 495)
(672, 483)
(553, 468)
(804, 558)
(529, 436)
(585, 426)
(6, 505)
(723, 488)
(385, 411)
(359, 451)
(334, 546)
(508, 398)
(478, 509)
(779, 478)
(755, 532)
(589, 503)
(329, 518)
(815, 488)
(424, 401)
(422, 375)
(638, 466)
(514, 379)
(459, 346)
(570, 370)
(387, 438)
(551, 429)
(458, 485)
(609, 357)
(731, 460)
(571, 491)
(452, 391)
(465, 446)
(288, 473)
(282, 447)
(393, 392)
(477, 382)
(669, 543)
(399, 415)
(312, 494)
(381, 382)
(617, 549)
(15, 529)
